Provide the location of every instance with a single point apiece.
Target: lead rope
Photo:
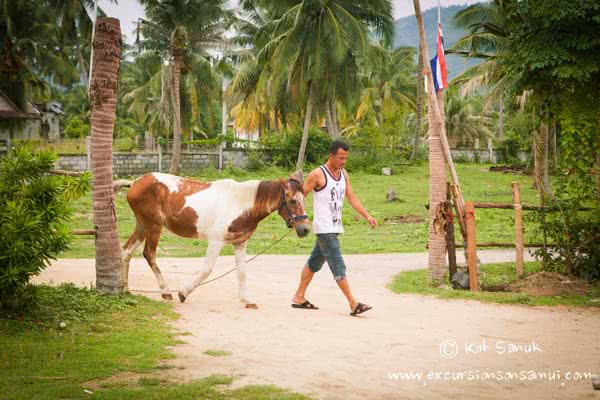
(220, 276)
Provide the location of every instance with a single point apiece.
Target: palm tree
(311, 39)
(487, 39)
(103, 100)
(182, 28)
(388, 82)
(465, 119)
(31, 54)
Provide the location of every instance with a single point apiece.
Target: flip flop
(360, 308)
(307, 305)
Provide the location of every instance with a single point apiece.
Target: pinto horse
(221, 212)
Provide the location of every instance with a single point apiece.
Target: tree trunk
(334, 119)
(553, 150)
(419, 106)
(174, 168)
(103, 101)
(544, 131)
(501, 119)
(328, 121)
(439, 152)
(224, 109)
(276, 119)
(309, 105)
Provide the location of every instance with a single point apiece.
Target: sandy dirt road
(327, 354)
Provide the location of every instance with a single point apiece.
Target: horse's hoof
(252, 306)
(181, 297)
(167, 296)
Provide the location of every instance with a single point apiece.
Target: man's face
(338, 160)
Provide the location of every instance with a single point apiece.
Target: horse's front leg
(240, 261)
(212, 252)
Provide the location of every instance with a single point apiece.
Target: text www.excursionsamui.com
(497, 375)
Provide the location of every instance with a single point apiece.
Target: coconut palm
(487, 39)
(312, 38)
(388, 82)
(30, 53)
(179, 29)
(103, 99)
(466, 120)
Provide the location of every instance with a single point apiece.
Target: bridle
(290, 221)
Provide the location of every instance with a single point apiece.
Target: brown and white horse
(220, 212)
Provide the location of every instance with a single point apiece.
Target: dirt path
(330, 355)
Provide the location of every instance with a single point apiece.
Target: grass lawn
(492, 275)
(123, 337)
(409, 182)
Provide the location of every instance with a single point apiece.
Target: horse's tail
(121, 183)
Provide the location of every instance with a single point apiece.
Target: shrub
(75, 128)
(575, 234)
(284, 147)
(33, 219)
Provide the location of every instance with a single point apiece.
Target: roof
(6, 114)
(8, 109)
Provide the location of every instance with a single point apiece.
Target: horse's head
(292, 208)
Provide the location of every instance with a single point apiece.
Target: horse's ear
(299, 176)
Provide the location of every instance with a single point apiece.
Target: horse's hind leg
(135, 240)
(152, 237)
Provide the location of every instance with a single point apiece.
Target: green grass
(409, 182)
(105, 336)
(492, 275)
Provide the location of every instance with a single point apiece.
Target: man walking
(330, 183)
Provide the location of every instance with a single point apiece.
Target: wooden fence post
(516, 195)
(471, 246)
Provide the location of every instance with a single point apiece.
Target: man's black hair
(336, 145)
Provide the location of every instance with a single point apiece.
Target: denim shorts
(327, 248)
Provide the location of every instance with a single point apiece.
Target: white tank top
(328, 202)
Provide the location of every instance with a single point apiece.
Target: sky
(128, 11)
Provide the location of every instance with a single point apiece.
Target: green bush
(75, 128)
(284, 147)
(510, 147)
(33, 219)
(575, 235)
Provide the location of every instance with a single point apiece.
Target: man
(330, 183)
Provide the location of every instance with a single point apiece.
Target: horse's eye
(293, 202)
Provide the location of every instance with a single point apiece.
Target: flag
(438, 63)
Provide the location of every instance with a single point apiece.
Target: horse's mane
(268, 197)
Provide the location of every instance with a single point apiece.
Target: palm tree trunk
(437, 169)
(419, 106)
(328, 121)
(501, 119)
(103, 100)
(176, 151)
(223, 108)
(334, 119)
(309, 105)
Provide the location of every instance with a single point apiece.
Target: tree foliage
(34, 212)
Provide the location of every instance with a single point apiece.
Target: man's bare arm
(312, 182)
(356, 204)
